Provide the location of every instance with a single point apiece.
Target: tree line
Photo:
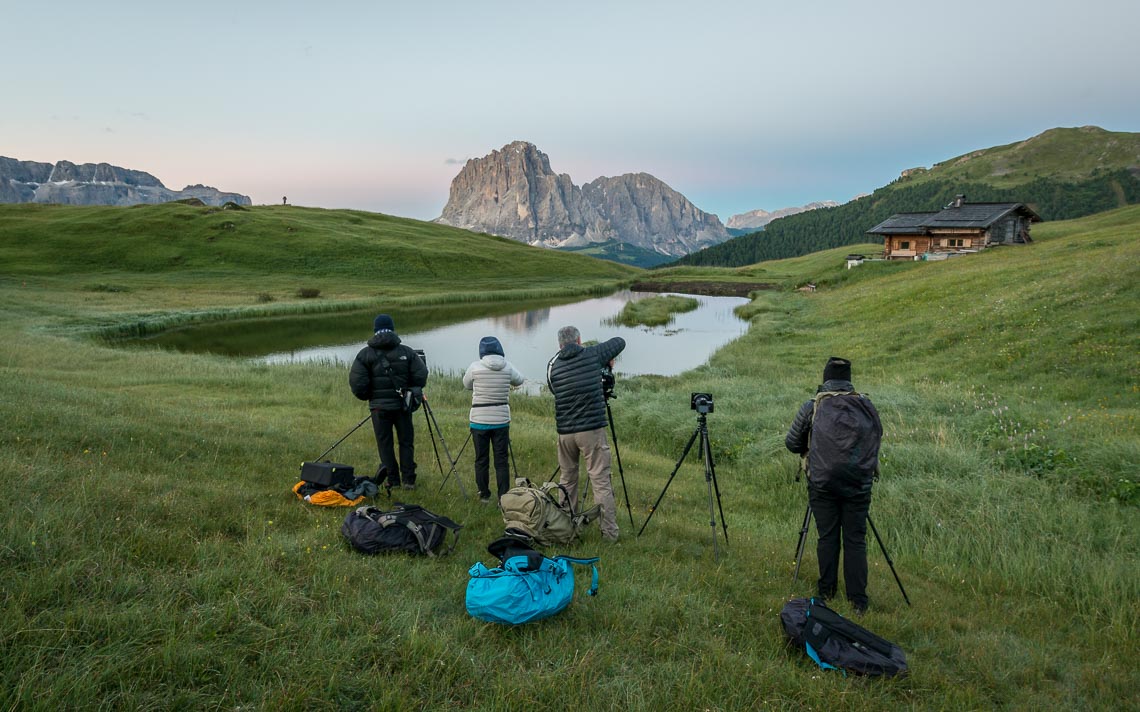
(847, 224)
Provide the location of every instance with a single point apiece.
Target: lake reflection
(530, 338)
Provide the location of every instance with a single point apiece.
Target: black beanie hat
(490, 345)
(837, 369)
(383, 322)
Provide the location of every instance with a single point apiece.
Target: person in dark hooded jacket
(840, 510)
(575, 378)
(381, 370)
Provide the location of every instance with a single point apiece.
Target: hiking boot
(408, 486)
(485, 499)
(611, 538)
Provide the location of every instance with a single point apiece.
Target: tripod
(621, 472)
(429, 418)
(702, 431)
(803, 542)
(338, 442)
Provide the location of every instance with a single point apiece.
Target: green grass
(1065, 153)
(153, 556)
(654, 311)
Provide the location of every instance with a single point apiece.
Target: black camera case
(327, 474)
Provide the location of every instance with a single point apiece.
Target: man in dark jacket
(840, 493)
(380, 372)
(575, 378)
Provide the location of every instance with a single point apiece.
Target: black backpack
(834, 642)
(843, 444)
(408, 527)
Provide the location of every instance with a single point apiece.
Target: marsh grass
(153, 556)
(653, 311)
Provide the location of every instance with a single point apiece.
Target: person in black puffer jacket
(380, 371)
(840, 509)
(574, 376)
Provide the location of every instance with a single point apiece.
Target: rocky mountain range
(514, 193)
(756, 219)
(95, 184)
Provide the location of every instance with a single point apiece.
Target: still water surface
(530, 337)
(449, 335)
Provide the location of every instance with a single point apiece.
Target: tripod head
(702, 403)
(609, 382)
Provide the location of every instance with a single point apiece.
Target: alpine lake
(449, 335)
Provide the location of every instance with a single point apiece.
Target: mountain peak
(514, 193)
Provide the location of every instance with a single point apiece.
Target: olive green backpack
(545, 513)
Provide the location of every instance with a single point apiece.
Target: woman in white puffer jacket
(491, 378)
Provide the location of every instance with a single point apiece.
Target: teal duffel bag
(524, 588)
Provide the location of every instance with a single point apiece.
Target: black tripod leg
(449, 472)
(802, 543)
(710, 473)
(442, 441)
(888, 558)
(338, 442)
(427, 419)
(661, 496)
(511, 448)
(621, 472)
(712, 515)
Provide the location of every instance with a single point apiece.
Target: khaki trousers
(594, 446)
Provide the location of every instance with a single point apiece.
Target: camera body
(608, 382)
(701, 402)
(422, 355)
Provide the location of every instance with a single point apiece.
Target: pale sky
(375, 105)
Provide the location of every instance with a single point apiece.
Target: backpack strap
(439, 520)
(549, 368)
(419, 531)
(592, 562)
(392, 374)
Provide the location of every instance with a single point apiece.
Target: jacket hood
(837, 384)
(384, 340)
(495, 362)
(570, 351)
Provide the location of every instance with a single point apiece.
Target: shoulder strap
(592, 562)
(549, 367)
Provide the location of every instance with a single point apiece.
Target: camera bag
(407, 528)
(327, 474)
(525, 587)
(835, 643)
(544, 513)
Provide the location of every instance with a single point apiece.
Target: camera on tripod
(608, 382)
(701, 402)
(422, 355)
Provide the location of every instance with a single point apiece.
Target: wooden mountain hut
(959, 228)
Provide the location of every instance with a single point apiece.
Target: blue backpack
(526, 587)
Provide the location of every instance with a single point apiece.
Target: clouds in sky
(736, 104)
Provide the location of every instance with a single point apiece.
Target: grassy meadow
(154, 556)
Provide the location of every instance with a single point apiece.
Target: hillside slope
(175, 238)
(1061, 174)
